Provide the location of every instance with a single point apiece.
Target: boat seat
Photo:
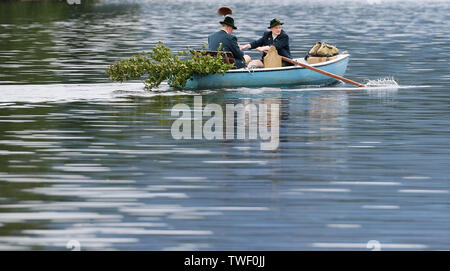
(226, 56)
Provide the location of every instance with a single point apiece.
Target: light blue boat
(272, 77)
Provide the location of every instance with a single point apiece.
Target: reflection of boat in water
(272, 77)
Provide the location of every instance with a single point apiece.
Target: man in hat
(275, 37)
(229, 42)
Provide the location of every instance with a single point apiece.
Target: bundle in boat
(321, 52)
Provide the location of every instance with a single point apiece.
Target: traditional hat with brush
(224, 11)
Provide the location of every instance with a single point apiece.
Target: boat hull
(275, 77)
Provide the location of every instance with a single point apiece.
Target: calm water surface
(88, 160)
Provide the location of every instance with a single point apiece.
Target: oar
(321, 71)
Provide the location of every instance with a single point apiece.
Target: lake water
(88, 162)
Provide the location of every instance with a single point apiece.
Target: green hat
(275, 22)
(229, 21)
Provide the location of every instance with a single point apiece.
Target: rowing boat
(272, 77)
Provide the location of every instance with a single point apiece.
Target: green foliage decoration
(160, 65)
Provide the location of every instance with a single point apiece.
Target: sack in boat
(272, 59)
(323, 49)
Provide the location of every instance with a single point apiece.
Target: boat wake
(117, 91)
(387, 82)
(80, 92)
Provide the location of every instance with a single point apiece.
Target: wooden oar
(321, 71)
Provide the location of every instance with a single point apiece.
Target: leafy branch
(160, 65)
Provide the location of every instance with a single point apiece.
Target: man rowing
(275, 37)
(229, 42)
